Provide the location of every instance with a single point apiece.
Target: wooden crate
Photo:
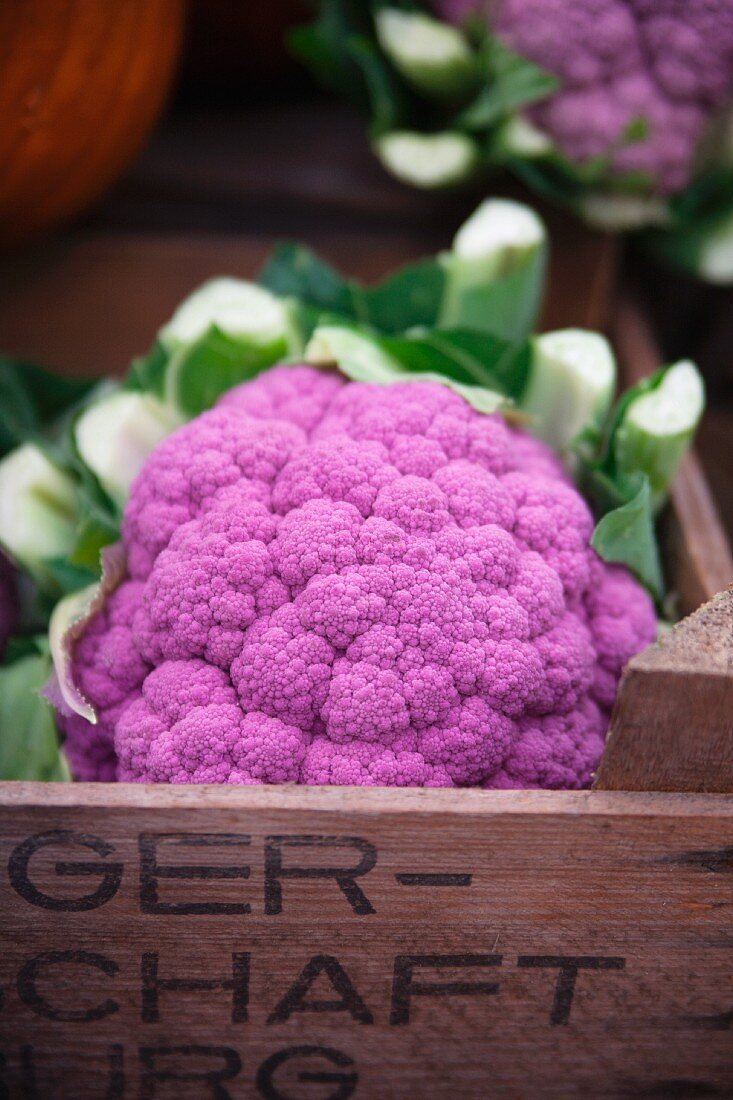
(507, 944)
(324, 942)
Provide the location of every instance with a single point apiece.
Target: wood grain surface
(308, 943)
(89, 304)
(672, 727)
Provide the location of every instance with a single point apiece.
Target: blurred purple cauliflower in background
(341, 583)
(8, 602)
(667, 61)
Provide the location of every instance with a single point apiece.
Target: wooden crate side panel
(670, 731)
(231, 944)
(672, 726)
(697, 549)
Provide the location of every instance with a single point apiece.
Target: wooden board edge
(697, 546)
(599, 307)
(16, 796)
(672, 724)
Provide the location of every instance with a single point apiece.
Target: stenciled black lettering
(32, 970)
(294, 1000)
(151, 871)
(404, 988)
(116, 1062)
(345, 877)
(345, 1080)
(568, 967)
(717, 1021)
(29, 1081)
(24, 1082)
(153, 985)
(152, 1073)
(111, 873)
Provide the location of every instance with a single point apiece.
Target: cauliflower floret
(360, 764)
(616, 620)
(188, 728)
(218, 450)
(554, 751)
(299, 396)
(109, 670)
(342, 583)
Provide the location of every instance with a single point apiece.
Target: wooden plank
(698, 550)
(89, 304)
(672, 726)
(716, 456)
(512, 944)
(699, 557)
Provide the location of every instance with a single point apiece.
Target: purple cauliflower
(334, 582)
(667, 61)
(8, 602)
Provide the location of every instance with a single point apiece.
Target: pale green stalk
(433, 57)
(570, 386)
(657, 428)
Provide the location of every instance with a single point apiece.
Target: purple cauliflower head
(334, 582)
(8, 602)
(667, 61)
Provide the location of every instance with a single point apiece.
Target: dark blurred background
(247, 150)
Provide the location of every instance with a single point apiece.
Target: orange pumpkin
(81, 85)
